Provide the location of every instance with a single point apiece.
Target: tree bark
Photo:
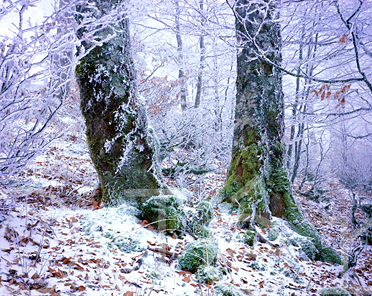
(257, 175)
(181, 74)
(122, 147)
(199, 84)
(258, 152)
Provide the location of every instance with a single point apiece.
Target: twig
(163, 251)
(193, 236)
(360, 284)
(308, 284)
(30, 228)
(201, 289)
(41, 245)
(7, 260)
(264, 240)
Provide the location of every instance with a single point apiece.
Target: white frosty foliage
(108, 145)
(101, 74)
(140, 148)
(125, 158)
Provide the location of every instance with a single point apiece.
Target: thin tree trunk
(311, 51)
(201, 62)
(295, 106)
(217, 109)
(181, 73)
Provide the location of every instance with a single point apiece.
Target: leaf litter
(57, 240)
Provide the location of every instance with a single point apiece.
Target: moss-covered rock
(307, 246)
(204, 213)
(200, 219)
(167, 212)
(274, 232)
(334, 292)
(229, 290)
(249, 236)
(329, 255)
(198, 253)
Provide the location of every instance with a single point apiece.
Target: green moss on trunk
(257, 177)
(122, 148)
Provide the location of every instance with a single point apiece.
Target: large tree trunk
(123, 150)
(258, 151)
(257, 176)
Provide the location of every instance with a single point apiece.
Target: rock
(307, 246)
(229, 290)
(168, 213)
(329, 255)
(248, 237)
(198, 253)
(274, 232)
(334, 292)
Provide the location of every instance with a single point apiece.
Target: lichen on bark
(122, 147)
(257, 178)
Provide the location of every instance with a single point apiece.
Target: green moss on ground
(167, 212)
(204, 213)
(307, 246)
(229, 290)
(329, 255)
(334, 292)
(249, 236)
(199, 220)
(274, 232)
(208, 274)
(198, 253)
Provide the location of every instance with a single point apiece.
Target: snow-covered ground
(56, 240)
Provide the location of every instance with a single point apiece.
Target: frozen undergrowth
(105, 252)
(57, 242)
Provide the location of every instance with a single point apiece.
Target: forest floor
(56, 240)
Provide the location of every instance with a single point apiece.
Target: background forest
(185, 59)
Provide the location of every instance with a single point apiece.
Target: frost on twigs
(35, 75)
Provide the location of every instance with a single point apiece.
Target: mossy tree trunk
(123, 150)
(258, 152)
(257, 176)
